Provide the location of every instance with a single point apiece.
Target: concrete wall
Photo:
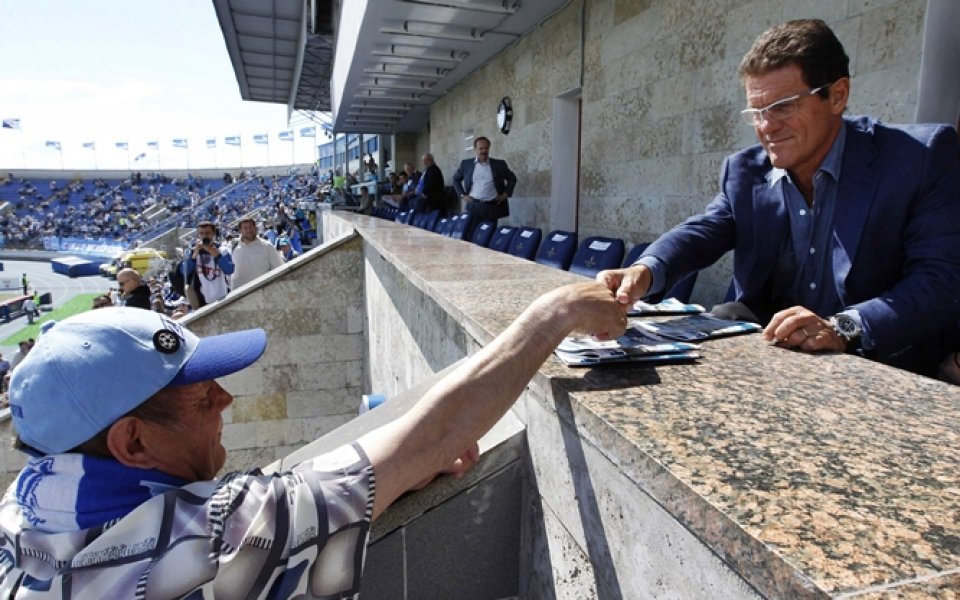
(660, 97)
(310, 379)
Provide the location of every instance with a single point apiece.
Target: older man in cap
(121, 411)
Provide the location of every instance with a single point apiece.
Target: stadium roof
(377, 65)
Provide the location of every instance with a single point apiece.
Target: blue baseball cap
(87, 371)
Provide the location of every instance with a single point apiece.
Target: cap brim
(220, 355)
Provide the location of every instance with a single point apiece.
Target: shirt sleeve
(658, 271)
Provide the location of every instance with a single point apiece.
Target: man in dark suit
(845, 231)
(430, 187)
(484, 184)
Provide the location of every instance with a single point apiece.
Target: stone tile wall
(310, 379)
(660, 97)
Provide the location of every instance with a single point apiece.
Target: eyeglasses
(780, 110)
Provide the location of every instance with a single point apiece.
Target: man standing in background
(253, 255)
(484, 185)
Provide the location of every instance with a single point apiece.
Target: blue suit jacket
(503, 180)
(895, 245)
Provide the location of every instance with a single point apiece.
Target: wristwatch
(846, 327)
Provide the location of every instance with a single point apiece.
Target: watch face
(847, 326)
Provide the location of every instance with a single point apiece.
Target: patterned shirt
(248, 535)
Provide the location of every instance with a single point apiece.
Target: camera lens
(206, 241)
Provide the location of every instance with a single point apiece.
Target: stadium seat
(596, 254)
(483, 233)
(430, 220)
(402, 216)
(635, 253)
(525, 242)
(557, 249)
(461, 227)
(683, 289)
(410, 216)
(443, 227)
(451, 225)
(502, 238)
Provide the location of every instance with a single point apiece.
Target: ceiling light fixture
(433, 30)
(503, 7)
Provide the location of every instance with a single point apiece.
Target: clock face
(504, 115)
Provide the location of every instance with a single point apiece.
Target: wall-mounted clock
(504, 115)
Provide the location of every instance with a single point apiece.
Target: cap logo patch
(166, 341)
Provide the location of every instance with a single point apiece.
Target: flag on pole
(54, 145)
(233, 140)
(90, 145)
(260, 138)
(154, 145)
(308, 132)
(121, 145)
(212, 143)
(180, 143)
(140, 156)
(285, 136)
(11, 123)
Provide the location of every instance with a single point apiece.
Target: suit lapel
(855, 195)
(770, 222)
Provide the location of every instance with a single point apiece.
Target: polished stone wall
(660, 97)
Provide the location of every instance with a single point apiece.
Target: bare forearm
(463, 406)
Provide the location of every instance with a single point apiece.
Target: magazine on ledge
(667, 306)
(697, 328)
(635, 345)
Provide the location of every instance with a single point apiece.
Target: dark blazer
(433, 187)
(896, 237)
(503, 180)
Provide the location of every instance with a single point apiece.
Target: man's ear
(125, 440)
(839, 94)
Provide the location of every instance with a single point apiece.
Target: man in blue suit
(845, 231)
(484, 184)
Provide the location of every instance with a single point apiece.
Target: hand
(501, 198)
(950, 368)
(457, 469)
(799, 327)
(587, 308)
(628, 285)
(466, 198)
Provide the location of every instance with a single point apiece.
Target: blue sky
(108, 71)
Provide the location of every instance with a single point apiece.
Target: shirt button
(813, 286)
(813, 250)
(803, 212)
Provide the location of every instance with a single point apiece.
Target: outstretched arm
(439, 434)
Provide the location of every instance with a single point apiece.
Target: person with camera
(205, 268)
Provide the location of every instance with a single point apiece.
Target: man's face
(127, 283)
(205, 232)
(408, 168)
(248, 231)
(800, 142)
(482, 150)
(192, 450)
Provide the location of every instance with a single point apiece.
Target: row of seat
(559, 249)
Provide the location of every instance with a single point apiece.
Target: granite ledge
(811, 475)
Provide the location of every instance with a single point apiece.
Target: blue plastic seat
(482, 233)
(502, 238)
(525, 242)
(451, 224)
(635, 253)
(402, 216)
(461, 227)
(683, 289)
(430, 220)
(596, 254)
(443, 227)
(557, 249)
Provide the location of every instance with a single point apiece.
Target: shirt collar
(831, 162)
(476, 161)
